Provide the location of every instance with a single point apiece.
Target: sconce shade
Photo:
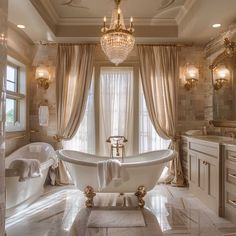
(191, 72)
(191, 76)
(42, 72)
(42, 76)
(221, 76)
(222, 73)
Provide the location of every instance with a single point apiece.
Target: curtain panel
(74, 75)
(73, 78)
(159, 74)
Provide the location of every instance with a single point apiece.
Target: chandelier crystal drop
(117, 41)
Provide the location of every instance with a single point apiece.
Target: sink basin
(216, 138)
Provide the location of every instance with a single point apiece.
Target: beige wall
(195, 107)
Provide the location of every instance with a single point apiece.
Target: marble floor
(168, 211)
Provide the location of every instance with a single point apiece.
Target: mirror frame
(229, 51)
(223, 123)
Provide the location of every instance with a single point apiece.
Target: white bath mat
(115, 218)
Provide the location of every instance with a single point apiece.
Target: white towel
(27, 168)
(109, 170)
(43, 115)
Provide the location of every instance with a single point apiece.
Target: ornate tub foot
(89, 193)
(141, 192)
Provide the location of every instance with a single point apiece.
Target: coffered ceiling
(154, 20)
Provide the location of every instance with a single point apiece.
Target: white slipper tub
(144, 169)
(21, 194)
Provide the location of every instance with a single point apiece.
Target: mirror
(223, 72)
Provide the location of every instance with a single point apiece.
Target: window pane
(11, 78)
(11, 86)
(10, 111)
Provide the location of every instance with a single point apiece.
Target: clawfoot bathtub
(143, 170)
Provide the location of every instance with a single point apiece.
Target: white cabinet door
(213, 178)
(202, 174)
(193, 167)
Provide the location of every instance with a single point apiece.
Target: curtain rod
(168, 44)
(55, 43)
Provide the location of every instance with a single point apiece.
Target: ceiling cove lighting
(216, 25)
(117, 41)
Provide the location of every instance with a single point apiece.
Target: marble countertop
(214, 138)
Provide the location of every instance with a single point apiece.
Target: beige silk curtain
(73, 78)
(159, 74)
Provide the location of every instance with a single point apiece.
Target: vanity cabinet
(230, 182)
(204, 173)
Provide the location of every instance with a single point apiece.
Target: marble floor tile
(168, 211)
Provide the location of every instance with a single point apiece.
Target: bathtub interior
(40, 151)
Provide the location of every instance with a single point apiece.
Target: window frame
(18, 96)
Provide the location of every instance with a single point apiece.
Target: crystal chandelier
(117, 41)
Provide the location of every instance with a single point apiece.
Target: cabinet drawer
(230, 176)
(231, 156)
(206, 149)
(231, 199)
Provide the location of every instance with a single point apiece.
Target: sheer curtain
(116, 106)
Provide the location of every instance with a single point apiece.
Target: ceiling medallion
(117, 41)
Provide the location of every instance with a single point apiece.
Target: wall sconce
(42, 76)
(221, 76)
(191, 74)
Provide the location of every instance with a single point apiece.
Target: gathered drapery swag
(159, 74)
(73, 78)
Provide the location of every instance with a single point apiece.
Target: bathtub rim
(164, 159)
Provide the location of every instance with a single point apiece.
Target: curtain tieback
(175, 138)
(57, 138)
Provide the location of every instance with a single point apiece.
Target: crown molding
(51, 10)
(169, 31)
(99, 21)
(48, 18)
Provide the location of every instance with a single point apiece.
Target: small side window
(15, 96)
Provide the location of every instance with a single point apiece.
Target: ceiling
(155, 21)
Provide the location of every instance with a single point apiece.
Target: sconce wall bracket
(190, 83)
(43, 83)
